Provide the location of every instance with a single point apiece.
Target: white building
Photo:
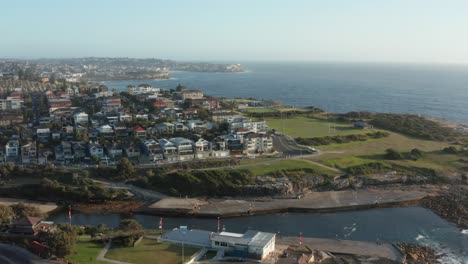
(12, 149)
(11, 104)
(248, 125)
(250, 245)
(81, 118)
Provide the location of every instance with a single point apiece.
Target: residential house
(258, 143)
(191, 94)
(43, 134)
(112, 119)
(259, 126)
(56, 135)
(132, 151)
(12, 149)
(59, 102)
(69, 132)
(168, 149)
(165, 128)
(121, 130)
(11, 104)
(105, 131)
(124, 117)
(184, 147)
(225, 116)
(44, 155)
(114, 150)
(362, 125)
(79, 149)
(63, 152)
(139, 132)
(235, 144)
(152, 149)
(29, 153)
(202, 148)
(95, 150)
(179, 127)
(11, 117)
(81, 118)
(29, 226)
(209, 103)
(196, 124)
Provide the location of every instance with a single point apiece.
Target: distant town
(101, 69)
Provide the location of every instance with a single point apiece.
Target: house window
(216, 243)
(224, 244)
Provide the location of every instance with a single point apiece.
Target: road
(10, 254)
(288, 146)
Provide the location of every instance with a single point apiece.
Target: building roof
(27, 221)
(250, 238)
(193, 237)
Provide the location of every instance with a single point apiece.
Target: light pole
(183, 231)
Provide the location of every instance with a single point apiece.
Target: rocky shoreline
(418, 254)
(451, 205)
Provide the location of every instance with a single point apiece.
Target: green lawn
(355, 153)
(302, 126)
(260, 110)
(276, 165)
(86, 251)
(151, 251)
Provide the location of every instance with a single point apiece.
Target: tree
(61, 243)
(125, 168)
(53, 78)
(130, 225)
(393, 154)
(6, 215)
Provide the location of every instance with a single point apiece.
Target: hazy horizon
(416, 32)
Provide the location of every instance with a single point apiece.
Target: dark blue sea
(434, 90)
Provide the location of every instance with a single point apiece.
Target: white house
(105, 130)
(96, 150)
(43, 134)
(12, 149)
(248, 125)
(81, 118)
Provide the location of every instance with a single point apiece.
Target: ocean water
(434, 90)
(412, 224)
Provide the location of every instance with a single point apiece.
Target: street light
(183, 232)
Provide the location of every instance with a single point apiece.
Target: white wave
(464, 231)
(446, 255)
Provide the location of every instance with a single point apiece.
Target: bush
(392, 154)
(413, 125)
(368, 168)
(317, 141)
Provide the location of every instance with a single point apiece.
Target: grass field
(151, 251)
(302, 126)
(260, 110)
(355, 153)
(86, 251)
(276, 165)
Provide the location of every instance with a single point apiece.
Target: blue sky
(305, 30)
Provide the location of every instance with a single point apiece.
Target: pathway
(101, 256)
(144, 194)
